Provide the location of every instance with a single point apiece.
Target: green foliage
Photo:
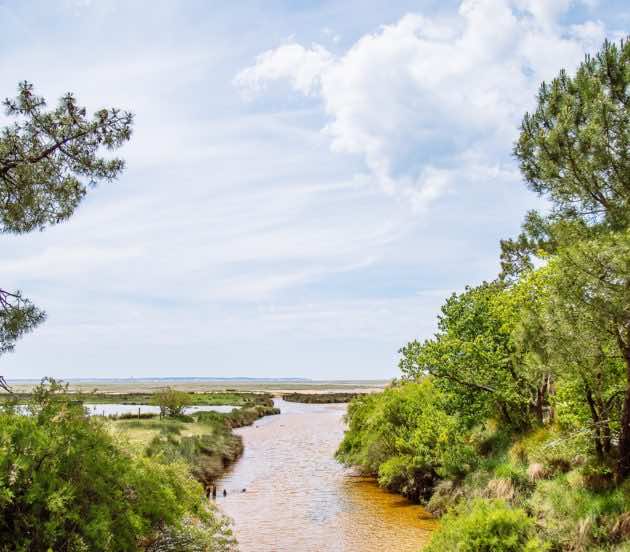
(18, 316)
(532, 370)
(49, 158)
(195, 537)
(319, 398)
(486, 526)
(171, 401)
(573, 150)
(574, 147)
(67, 484)
(473, 358)
(206, 455)
(405, 437)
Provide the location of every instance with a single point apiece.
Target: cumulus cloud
(416, 97)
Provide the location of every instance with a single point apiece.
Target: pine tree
(48, 161)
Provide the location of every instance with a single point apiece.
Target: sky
(306, 182)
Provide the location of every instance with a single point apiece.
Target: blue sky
(306, 183)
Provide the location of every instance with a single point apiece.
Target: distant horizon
(202, 378)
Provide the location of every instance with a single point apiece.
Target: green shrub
(517, 474)
(67, 484)
(405, 436)
(486, 526)
(171, 401)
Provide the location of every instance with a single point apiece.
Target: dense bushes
(486, 526)
(542, 489)
(406, 438)
(67, 484)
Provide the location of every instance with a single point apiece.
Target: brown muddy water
(299, 499)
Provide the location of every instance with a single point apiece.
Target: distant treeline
(320, 398)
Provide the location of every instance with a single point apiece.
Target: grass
(204, 440)
(571, 500)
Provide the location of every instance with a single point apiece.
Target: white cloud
(415, 96)
(301, 66)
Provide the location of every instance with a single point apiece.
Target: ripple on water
(299, 499)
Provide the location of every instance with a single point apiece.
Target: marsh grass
(204, 440)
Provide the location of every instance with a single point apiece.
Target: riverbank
(204, 440)
(543, 487)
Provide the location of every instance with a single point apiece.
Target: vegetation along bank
(115, 483)
(320, 398)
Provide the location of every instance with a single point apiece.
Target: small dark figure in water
(214, 491)
(224, 492)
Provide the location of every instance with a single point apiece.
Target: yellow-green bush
(486, 526)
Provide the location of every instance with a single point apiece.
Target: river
(299, 499)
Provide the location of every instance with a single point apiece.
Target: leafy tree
(171, 401)
(67, 484)
(591, 313)
(472, 358)
(574, 149)
(521, 308)
(48, 160)
(581, 350)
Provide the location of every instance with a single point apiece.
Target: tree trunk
(597, 430)
(505, 412)
(542, 399)
(538, 406)
(606, 436)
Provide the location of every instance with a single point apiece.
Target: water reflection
(299, 499)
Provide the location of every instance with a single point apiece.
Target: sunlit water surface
(299, 499)
(118, 409)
